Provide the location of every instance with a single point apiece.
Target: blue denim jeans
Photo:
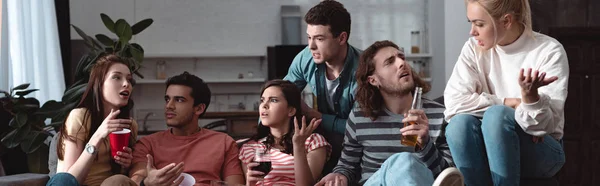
(496, 151)
(62, 179)
(401, 169)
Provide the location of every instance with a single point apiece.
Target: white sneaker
(449, 177)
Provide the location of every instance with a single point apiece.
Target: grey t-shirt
(332, 85)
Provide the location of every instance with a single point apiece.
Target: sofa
(32, 179)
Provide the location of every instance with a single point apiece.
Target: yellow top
(100, 169)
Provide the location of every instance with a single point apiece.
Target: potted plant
(27, 127)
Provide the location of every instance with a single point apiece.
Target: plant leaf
(74, 94)
(125, 53)
(123, 30)
(11, 139)
(105, 39)
(109, 49)
(95, 44)
(6, 94)
(89, 64)
(77, 83)
(138, 55)
(24, 93)
(15, 137)
(27, 107)
(13, 123)
(141, 26)
(20, 87)
(80, 32)
(56, 124)
(21, 119)
(137, 46)
(79, 70)
(89, 41)
(36, 121)
(118, 46)
(63, 112)
(108, 22)
(33, 141)
(49, 108)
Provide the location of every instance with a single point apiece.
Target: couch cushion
(27, 179)
(53, 156)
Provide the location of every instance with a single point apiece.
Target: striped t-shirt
(282, 172)
(369, 143)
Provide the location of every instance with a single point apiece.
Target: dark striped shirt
(369, 143)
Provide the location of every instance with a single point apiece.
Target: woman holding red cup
(84, 148)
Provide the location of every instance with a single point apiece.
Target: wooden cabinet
(242, 127)
(238, 124)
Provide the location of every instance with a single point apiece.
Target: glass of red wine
(264, 160)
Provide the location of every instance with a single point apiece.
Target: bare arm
(75, 161)
(234, 179)
(138, 172)
(307, 165)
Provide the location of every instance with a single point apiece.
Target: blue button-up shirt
(304, 71)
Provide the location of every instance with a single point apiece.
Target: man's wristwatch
(90, 149)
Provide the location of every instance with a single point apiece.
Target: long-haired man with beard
(372, 152)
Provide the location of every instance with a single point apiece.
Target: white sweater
(481, 79)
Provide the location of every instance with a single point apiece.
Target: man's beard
(182, 122)
(391, 89)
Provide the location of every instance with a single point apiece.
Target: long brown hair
(292, 95)
(92, 101)
(368, 96)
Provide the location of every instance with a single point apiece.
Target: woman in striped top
(297, 154)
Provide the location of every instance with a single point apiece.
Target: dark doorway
(582, 108)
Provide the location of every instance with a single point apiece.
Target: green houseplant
(28, 128)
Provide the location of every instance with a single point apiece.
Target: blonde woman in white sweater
(505, 98)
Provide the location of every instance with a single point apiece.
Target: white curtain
(33, 48)
(4, 73)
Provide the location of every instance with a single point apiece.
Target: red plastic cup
(118, 140)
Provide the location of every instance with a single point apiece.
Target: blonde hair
(497, 8)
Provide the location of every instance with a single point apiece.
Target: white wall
(437, 41)
(85, 14)
(371, 21)
(456, 32)
(374, 20)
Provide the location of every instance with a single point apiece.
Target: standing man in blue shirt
(328, 65)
